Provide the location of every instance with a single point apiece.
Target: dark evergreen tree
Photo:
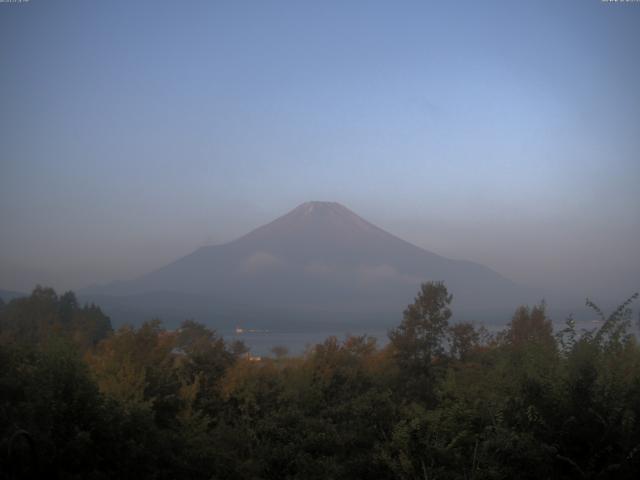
(418, 342)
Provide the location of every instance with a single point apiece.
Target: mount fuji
(320, 263)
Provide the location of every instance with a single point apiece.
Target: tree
(418, 341)
(530, 326)
(463, 339)
(43, 316)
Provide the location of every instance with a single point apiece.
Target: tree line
(442, 400)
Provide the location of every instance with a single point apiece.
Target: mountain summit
(317, 230)
(321, 260)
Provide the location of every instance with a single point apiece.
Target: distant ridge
(8, 295)
(319, 260)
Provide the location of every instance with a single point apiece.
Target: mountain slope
(319, 257)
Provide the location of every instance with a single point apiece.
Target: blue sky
(507, 133)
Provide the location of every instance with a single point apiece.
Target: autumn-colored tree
(439, 401)
(530, 325)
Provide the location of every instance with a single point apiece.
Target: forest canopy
(441, 399)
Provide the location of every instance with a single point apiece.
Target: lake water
(261, 343)
(296, 342)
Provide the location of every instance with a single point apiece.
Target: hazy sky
(507, 133)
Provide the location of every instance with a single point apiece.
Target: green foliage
(446, 401)
(43, 315)
(418, 342)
